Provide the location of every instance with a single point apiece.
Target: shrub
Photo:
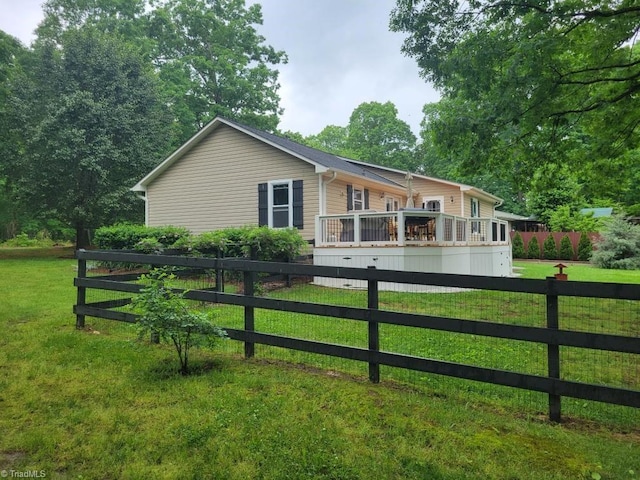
(124, 236)
(566, 248)
(585, 248)
(533, 248)
(23, 240)
(165, 313)
(619, 246)
(274, 244)
(549, 249)
(517, 246)
(121, 236)
(229, 240)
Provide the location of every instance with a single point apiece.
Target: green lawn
(96, 404)
(578, 271)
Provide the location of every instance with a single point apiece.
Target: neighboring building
(230, 174)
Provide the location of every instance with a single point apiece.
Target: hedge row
(270, 244)
(550, 250)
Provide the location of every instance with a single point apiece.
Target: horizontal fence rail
(552, 336)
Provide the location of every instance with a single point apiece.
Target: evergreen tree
(549, 249)
(533, 249)
(517, 246)
(566, 248)
(585, 248)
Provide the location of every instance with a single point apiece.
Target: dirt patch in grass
(9, 459)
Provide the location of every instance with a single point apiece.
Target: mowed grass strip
(98, 404)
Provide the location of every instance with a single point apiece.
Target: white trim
(435, 198)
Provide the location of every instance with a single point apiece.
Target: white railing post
(320, 231)
(401, 228)
(356, 229)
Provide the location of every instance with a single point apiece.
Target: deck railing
(408, 227)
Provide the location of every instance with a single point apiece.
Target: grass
(97, 404)
(577, 271)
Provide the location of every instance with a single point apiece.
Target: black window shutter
(298, 212)
(366, 199)
(349, 197)
(263, 204)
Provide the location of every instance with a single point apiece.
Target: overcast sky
(341, 54)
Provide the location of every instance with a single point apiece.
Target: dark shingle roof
(314, 155)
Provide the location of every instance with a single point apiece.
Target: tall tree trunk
(82, 236)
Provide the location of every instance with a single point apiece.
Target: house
(230, 174)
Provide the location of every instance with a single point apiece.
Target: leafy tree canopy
(209, 55)
(97, 123)
(377, 135)
(528, 83)
(214, 62)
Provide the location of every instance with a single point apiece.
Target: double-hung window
(358, 199)
(475, 213)
(280, 204)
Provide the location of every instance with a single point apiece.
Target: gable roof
(322, 161)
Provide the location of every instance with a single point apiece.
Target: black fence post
(553, 350)
(374, 334)
(219, 273)
(81, 295)
(249, 314)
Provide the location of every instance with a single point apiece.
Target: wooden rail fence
(552, 336)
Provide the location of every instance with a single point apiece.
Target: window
(432, 204)
(475, 208)
(392, 204)
(475, 213)
(358, 199)
(280, 204)
(281, 211)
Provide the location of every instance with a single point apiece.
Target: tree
(333, 139)
(566, 219)
(553, 186)
(566, 248)
(97, 124)
(165, 313)
(533, 248)
(125, 19)
(585, 248)
(528, 83)
(549, 249)
(210, 58)
(213, 62)
(377, 135)
(619, 245)
(517, 246)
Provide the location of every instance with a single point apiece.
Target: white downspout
(146, 207)
(323, 192)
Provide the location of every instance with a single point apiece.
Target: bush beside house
(269, 244)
